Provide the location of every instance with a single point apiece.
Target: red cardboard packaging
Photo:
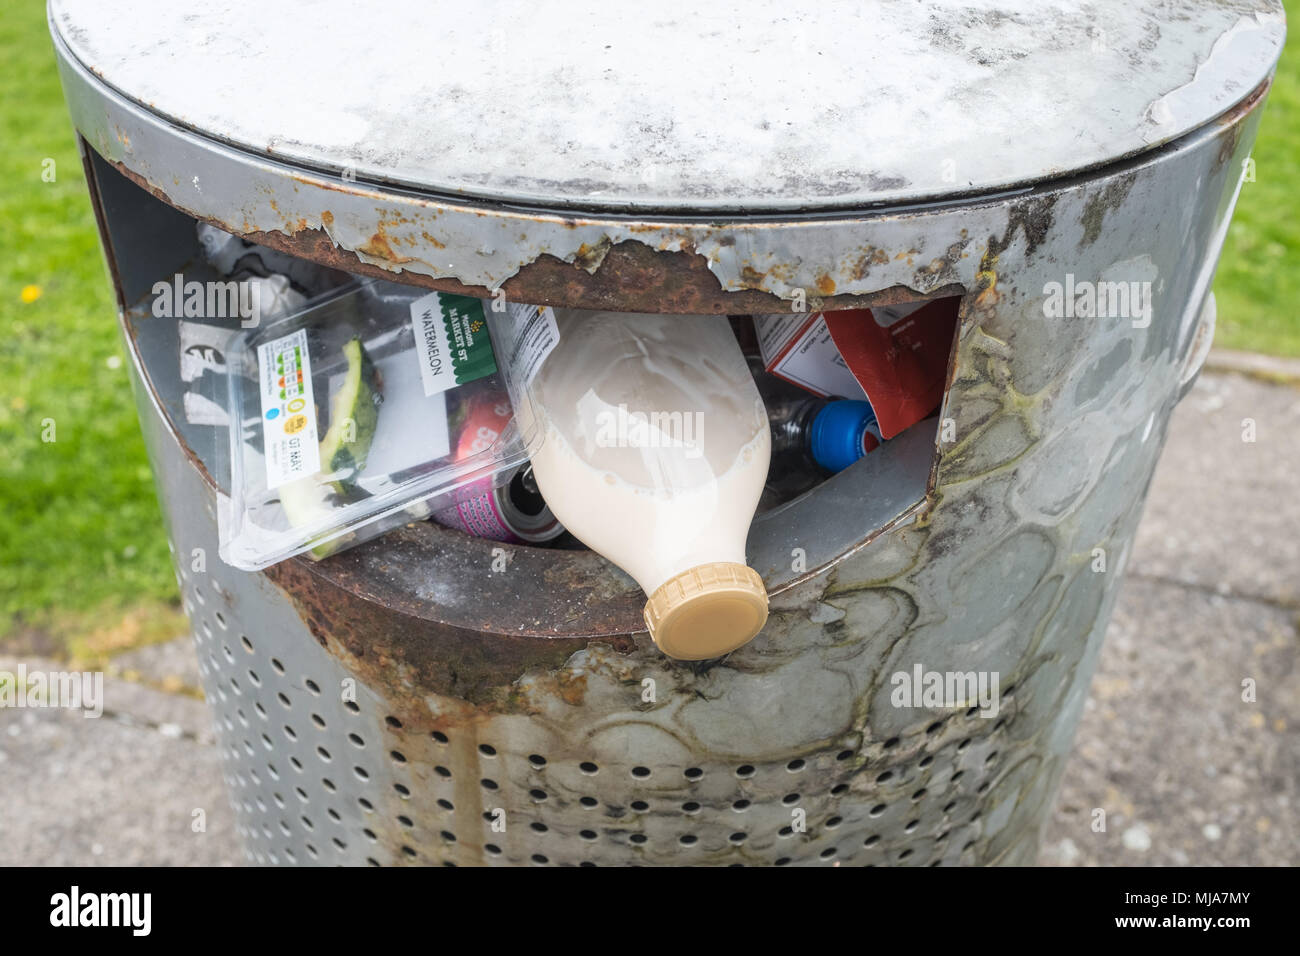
(896, 357)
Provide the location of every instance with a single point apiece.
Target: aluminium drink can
(514, 512)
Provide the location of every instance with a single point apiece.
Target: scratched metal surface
(687, 262)
(1059, 424)
(711, 108)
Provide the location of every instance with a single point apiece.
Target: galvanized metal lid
(702, 108)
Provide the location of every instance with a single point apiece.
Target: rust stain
(825, 284)
(629, 277)
(589, 257)
(871, 256)
(393, 648)
(1231, 117)
(986, 281)
(572, 688)
(378, 247)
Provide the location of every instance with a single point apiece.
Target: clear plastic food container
(369, 409)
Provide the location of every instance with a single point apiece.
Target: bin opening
(854, 405)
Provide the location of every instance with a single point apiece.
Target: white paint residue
(725, 107)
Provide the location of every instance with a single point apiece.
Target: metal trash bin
(435, 698)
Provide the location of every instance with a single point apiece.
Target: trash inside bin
(349, 418)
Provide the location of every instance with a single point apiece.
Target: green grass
(83, 536)
(83, 541)
(1257, 287)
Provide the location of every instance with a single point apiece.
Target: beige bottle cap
(707, 611)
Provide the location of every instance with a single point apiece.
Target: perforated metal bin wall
(405, 702)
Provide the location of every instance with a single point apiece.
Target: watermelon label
(451, 340)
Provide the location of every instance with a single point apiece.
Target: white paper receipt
(288, 410)
(533, 336)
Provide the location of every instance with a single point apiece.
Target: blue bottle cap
(836, 436)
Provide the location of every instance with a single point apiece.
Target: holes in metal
(552, 803)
